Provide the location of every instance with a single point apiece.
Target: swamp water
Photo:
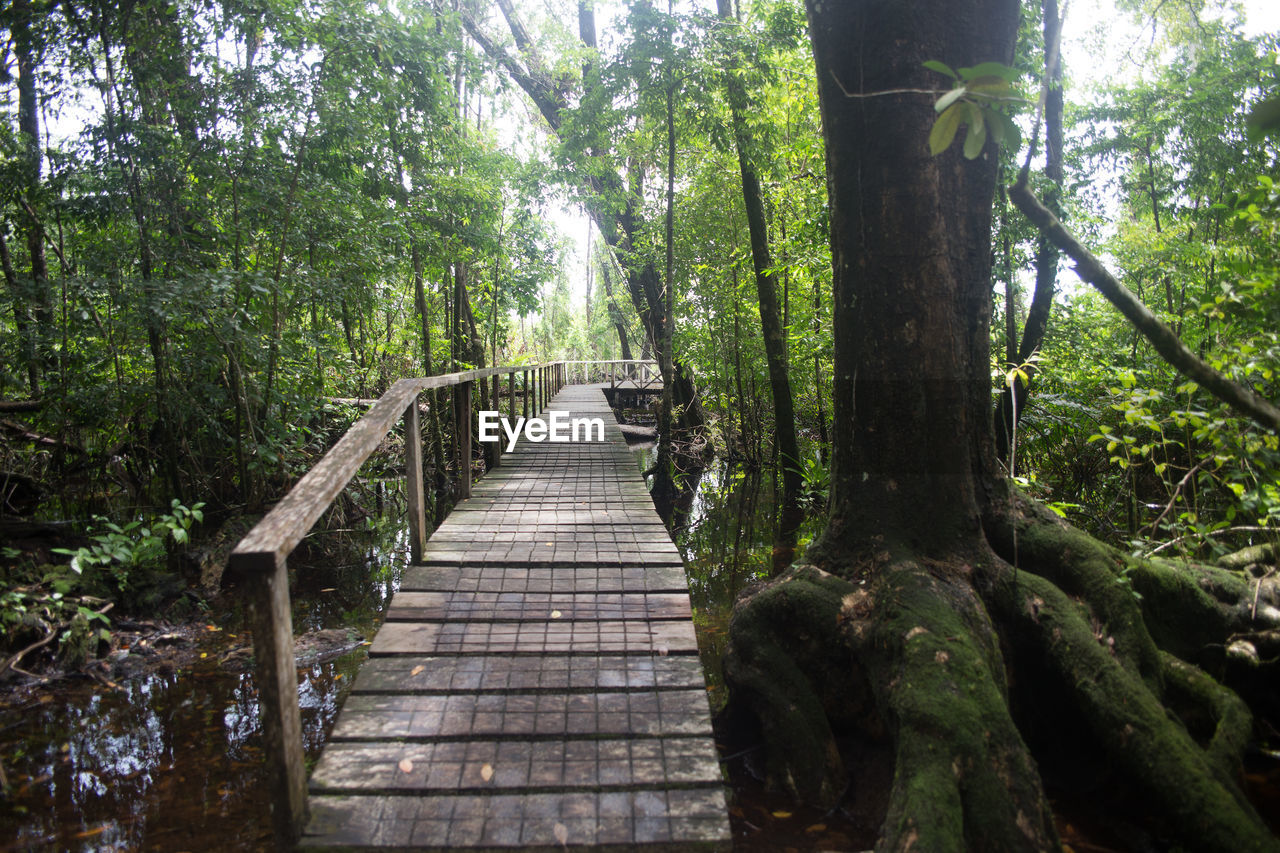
(171, 760)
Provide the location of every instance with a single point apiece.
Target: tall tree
(1013, 398)
(612, 200)
(775, 335)
(24, 19)
(939, 581)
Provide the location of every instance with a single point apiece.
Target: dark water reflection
(173, 760)
(724, 525)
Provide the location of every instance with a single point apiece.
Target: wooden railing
(643, 372)
(261, 557)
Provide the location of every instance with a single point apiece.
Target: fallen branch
(12, 662)
(1177, 491)
(1249, 528)
(1164, 339)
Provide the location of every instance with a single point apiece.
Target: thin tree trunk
(25, 52)
(1013, 398)
(664, 487)
(772, 326)
(615, 314)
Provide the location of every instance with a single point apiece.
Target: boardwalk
(536, 683)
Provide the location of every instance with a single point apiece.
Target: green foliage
(980, 99)
(30, 614)
(817, 481)
(119, 550)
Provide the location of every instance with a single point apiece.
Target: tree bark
(615, 314)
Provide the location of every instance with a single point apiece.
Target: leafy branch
(973, 101)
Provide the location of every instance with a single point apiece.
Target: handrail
(261, 556)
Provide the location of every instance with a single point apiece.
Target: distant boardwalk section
(536, 684)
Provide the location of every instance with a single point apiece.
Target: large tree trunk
(947, 602)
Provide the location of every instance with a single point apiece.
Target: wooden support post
(413, 482)
(494, 454)
(462, 436)
(511, 393)
(524, 397)
(272, 626)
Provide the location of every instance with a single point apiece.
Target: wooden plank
(460, 766)
(406, 717)
(422, 674)
(535, 638)
(684, 820)
(537, 606)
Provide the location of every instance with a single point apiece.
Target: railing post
(524, 397)
(511, 393)
(462, 434)
(272, 626)
(413, 482)
(495, 453)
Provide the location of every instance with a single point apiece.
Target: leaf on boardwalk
(406, 766)
(555, 614)
(417, 670)
(562, 833)
(486, 772)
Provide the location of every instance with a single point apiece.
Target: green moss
(1084, 568)
(783, 665)
(1154, 751)
(964, 779)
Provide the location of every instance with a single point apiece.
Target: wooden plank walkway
(536, 683)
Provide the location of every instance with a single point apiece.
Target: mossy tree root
(915, 656)
(963, 778)
(783, 641)
(1154, 751)
(1214, 709)
(916, 649)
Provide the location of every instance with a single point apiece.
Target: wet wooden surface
(536, 684)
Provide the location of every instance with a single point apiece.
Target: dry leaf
(561, 832)
(486, 772)
(782, 814)
(406, 766)
(555, 614)
(817, 827)
(417, 670)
